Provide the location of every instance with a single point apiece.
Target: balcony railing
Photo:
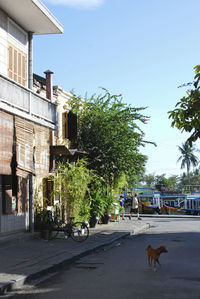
(23, 102)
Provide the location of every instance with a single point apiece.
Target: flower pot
(45, 234)
(114, 218)
(105, 219)
(93, 221)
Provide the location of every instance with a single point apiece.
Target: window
(69, 125)
(17, 65)
(9, 189)
(47, 192)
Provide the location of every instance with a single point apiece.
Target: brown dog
(153, 254)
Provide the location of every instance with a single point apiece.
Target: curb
(8, 286)
(13, 284)
(142, 229)
(166, 216)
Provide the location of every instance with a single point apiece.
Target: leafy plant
(186, 115)
(187, 158)
(41, 220)
(71, 184)
(97, 199)
(109, 132)
(109, 201)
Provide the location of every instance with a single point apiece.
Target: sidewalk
(25, 257)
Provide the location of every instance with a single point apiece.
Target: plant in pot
(71, 182)
(108, 208)
(97, 204)
(43, 223)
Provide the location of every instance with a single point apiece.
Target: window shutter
(17, 65)
(24, 70)
(47, 191)
(64, 125)
(6, 142)
(72, 126)
(10, 62)
(20, 68)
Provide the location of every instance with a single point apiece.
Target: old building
(63, 147)
(26, 117)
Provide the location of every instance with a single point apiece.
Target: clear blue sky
(142, 49)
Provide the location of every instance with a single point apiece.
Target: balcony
(23, 102)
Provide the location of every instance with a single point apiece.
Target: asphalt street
(120, 270)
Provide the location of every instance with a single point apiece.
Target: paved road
(120, 270)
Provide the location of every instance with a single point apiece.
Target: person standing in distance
(135, 207)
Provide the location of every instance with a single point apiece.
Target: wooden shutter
(10, 62)
(19, 68)
(6, 142)
(42, 154)
(22, 206)
(24, 69)
(24, 146)
(64, 125)
(47, 191)
(17, 65)
(72, 126)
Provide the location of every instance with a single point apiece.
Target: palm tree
(188, 158)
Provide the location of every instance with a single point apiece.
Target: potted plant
(42, 223)
(71, 182)
(108, 208)
(97, 205)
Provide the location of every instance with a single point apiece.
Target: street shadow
(183, 252)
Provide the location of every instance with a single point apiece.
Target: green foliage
(110, 199)
(97, 198)
(186, 116)
(120, 182)
(101, 198)
(71, 184)
(173, 181)
(187, 157)
(149, 180)
(194, 178)
(160, 181)
(121, 210)
(109, 132)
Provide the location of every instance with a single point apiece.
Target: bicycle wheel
(79, 231)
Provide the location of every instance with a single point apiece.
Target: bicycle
(78, 231)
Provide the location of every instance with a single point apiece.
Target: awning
(32, 15)
(62, 150)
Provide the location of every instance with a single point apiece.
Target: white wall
(3, 43)
(12, 223)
